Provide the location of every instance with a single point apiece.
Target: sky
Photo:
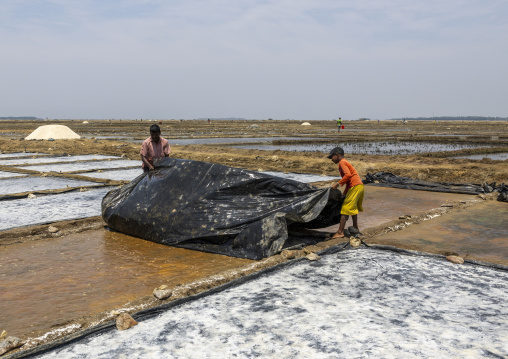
(254, 59)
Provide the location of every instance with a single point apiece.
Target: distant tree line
(452, 118)
(19, 118)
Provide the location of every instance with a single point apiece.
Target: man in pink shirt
(153, 147)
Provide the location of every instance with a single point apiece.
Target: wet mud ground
(118, 271)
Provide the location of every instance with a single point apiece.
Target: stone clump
(162, 292)
(9, 343)
(125, 321)
(455, 259)
(313, 257)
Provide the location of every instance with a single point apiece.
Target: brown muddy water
(479, 232)
(51, 281)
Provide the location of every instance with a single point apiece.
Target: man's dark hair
(155, 129)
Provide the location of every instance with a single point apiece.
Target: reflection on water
(371, 148)
(51, 208)
(34, 183)
(480, 231)
(50, 281)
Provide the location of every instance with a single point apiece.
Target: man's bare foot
(338, 235)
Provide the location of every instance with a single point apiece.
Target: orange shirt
(349, 175)
(151, 150)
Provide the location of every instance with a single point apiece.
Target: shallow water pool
(492, 156)
(371, 148)
(87, 273)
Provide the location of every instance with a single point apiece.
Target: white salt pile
(56, 132)
(305, 124)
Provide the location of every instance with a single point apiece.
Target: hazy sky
(296, 59)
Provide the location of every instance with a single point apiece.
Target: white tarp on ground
(355, 304)
(56, 132)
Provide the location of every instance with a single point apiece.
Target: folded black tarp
(217, 208)
(388, 179)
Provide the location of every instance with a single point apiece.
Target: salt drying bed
(51, 208)
(82, 166)
(4, 174)
(27, 161)
(19, 154)
(29, 184)
(354, 304)
(116, 175)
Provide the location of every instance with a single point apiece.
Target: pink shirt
(151, 150)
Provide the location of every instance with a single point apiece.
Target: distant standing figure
(353, 194)
(154, 147)
(339, 124)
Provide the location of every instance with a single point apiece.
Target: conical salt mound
(305, 124)
(56, 132)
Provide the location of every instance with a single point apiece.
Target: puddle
(25, 161)
(33, 183)
(480, 231)
(20, 154)
(83, 166)
(492, 156)
(51, 208)
(116, 175)
(4, 174)
(301, 177)
(371, 148)
(382, 205)
(354, 304)
(50, 281)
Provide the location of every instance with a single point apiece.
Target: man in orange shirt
(353, 194)
(153, 147)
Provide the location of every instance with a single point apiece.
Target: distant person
(339, 124)
(353, 193)
(154, 147)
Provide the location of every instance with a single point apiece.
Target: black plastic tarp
(217, 208)
(388, 179)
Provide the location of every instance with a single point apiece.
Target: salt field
(64, 272)
(354, 304)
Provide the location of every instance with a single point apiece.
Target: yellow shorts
(353, 201)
